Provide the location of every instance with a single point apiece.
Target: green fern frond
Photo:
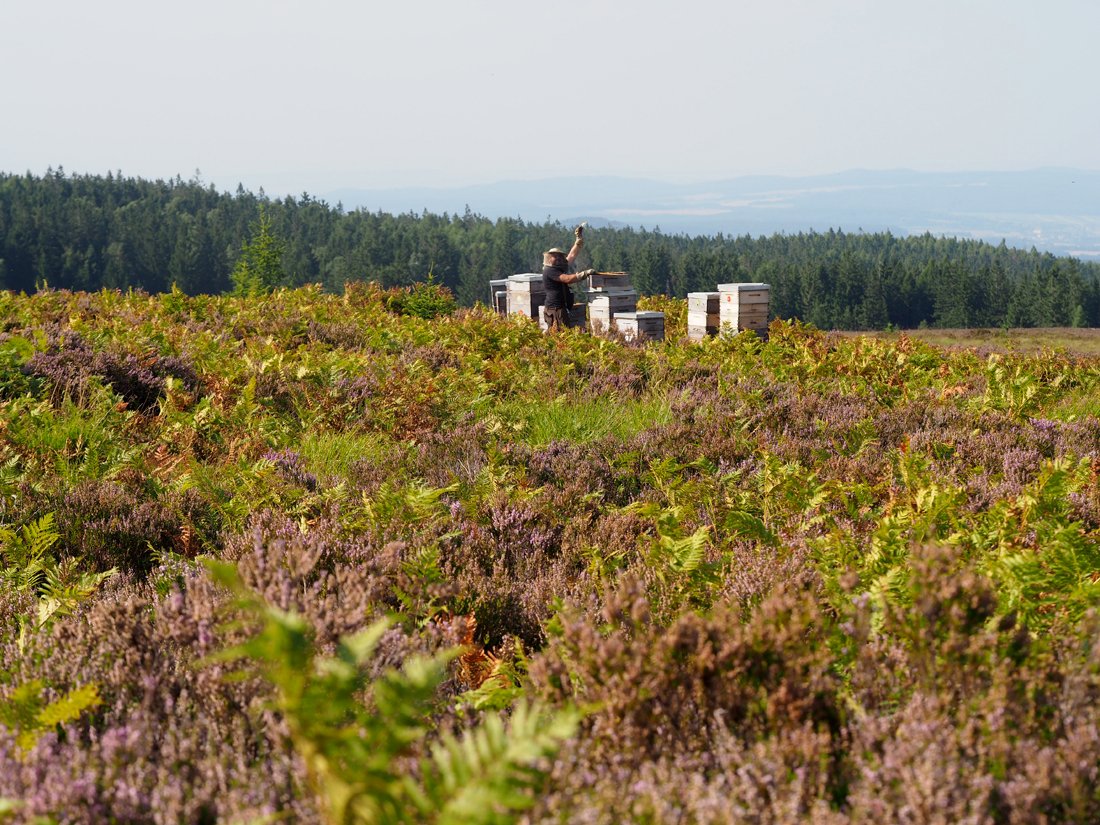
(21, 707)
(685, 554)
(9, 807)
(746, 525)
(424, 501)
(354, 750)
(69, 707)
(24, 551)
(492, 771)
(25, 712)
(39, 536)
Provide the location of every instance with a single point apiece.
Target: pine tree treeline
(87, 232)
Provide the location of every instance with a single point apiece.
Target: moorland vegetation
(365, 558)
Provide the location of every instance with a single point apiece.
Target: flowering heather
(69, 364)
(815, 578)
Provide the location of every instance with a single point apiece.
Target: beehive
(705, 323)
(744, 306)
(605, 304)
(703, 317)
(707, 302)
(498, 295)
(526, 295)
(639, 326)
(605, 281)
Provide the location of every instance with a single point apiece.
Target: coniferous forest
(89, 232)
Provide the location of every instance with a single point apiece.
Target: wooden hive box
(699, 333)
(744, 306)
(636, 326)
(612, 301)
(759, 325)
(525, 295)
(705, 302)
(705, 323)
(749, 314)
(599, 320)
(598, 282)
(745, 293)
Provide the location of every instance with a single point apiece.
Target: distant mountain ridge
(1053, 209)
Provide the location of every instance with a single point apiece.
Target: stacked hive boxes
(613, 303)
(744, 306)
(641, 326)
(608, 295)
(525, 295)
(605, 304)
(703, 314)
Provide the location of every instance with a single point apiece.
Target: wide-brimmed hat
(555, 251)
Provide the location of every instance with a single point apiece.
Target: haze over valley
(1054, 210)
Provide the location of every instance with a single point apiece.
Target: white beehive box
(604, 305)
(758, 325)
(638, 326)
(745, 293)
(699, 333)
(526, 282)
(704, 320)
(734, 314)
(706, 302)
(614, 300)
(744, 306)
(525, 295)
(599, 320)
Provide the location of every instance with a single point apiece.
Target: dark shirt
(558, 295)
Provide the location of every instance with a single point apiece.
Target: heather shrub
(68, 365)
(810, 578)
(108, 525)
(336, 584)
(966, 714)
(158, 710)
(446, 456)
(660, 689)
(353, 750)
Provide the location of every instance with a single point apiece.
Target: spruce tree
(259, 268)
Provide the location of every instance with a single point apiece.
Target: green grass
(1073, 406)
(329, 454)
(583, 420)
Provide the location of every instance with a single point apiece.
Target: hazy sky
(315, 95)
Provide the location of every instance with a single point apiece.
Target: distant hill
(1055, 210)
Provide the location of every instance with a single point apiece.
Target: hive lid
(643, 315)
(743, 287)
(525, 277)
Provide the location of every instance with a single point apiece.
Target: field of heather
(363, 558)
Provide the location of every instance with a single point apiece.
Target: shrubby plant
(352, 748)
(809, 578)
